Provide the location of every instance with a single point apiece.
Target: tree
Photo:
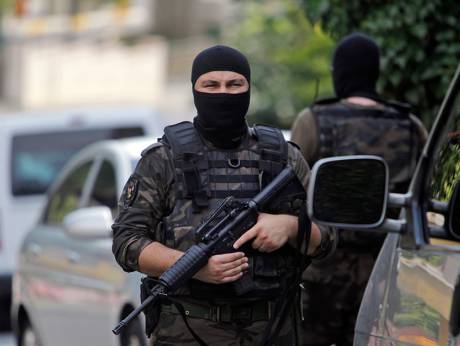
(419, 41)
(288, 58)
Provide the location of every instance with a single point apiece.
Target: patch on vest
(131, 192)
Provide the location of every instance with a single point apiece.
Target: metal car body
(68, 289)
(33, 148)
(413, 295)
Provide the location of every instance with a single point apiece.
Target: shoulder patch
(151, 147)
(130, 192)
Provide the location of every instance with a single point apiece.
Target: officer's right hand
(223, 268)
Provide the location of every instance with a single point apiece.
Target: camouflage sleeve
(299, 165)
(329, 241)
(329, 236)
(145, 199)
(304, 134)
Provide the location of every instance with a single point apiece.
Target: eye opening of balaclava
(221, 116)
(356, 65)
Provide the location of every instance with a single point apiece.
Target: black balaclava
(221, 116)
(356, 66)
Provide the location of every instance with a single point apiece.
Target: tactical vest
(386, 132)
(203, 177)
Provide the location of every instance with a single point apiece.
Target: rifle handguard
(185, 268)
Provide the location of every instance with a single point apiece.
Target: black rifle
(218, 239)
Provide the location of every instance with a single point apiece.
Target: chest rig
(204, 176)
(385, 131)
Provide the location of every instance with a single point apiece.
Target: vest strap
(192, 163)
(273, 151)
(224, 164)
(189, 156)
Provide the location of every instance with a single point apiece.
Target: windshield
(37, 158)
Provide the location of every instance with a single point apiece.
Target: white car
(33, 148)
(68, 289)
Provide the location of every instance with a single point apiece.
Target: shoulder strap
(273, 151)
(285, 303)
(189, 156)
(183, 139)
(401, 107)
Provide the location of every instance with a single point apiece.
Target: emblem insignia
(131, 192)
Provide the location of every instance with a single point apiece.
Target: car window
(105, 189)
(134, 163)
(67, 196)
(446, 170)
(37, 158)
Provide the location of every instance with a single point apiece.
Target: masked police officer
(185, 175)
(357, 121)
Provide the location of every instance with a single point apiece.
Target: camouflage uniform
(334, 288)
(147, 205)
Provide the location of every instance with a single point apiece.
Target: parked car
(68, 289)
(413, 295)
(33, 148)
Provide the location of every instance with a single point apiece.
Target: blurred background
(60, 53)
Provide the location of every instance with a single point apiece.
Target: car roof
(81, 118)
(126, 150)
(132, 146)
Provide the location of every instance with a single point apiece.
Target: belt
(250, 312)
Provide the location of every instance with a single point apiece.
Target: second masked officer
(185, 175)
(357, 122)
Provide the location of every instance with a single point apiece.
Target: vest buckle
(234, 163)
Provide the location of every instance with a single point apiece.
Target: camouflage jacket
(150, 195)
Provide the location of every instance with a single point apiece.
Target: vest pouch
(266, 276)
(364, 137)
(246, 283)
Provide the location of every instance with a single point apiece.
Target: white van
(33, 148)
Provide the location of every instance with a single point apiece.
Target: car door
(95, 273)
(47, 261)
(409, 299)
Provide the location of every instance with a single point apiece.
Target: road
(6, 339)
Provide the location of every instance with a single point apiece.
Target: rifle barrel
(133, 314)
(274, 187)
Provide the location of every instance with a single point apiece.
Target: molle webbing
(204, 170)
(197, 166)
(273, 152)
(189, 157)
(386, 132)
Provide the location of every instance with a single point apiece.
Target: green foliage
(416, 314)
(447, 168)
(419, 40)
(288, 58)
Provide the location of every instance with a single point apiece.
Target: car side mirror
(349, 191)
(91, 222)
(453, 220)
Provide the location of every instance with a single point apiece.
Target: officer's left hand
(270, 232)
